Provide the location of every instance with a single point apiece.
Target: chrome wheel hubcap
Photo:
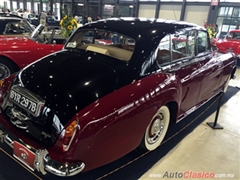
(156, 128)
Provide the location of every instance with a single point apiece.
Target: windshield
(18, 27)
(233, 35)
(37, 31)
(104, 42)
(51, 18)
(30, 16)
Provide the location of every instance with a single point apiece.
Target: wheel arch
(173, 108)
(7, 67)
(10, 60)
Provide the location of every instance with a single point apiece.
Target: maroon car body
(114, 98)
(18, 51)
(231, 42)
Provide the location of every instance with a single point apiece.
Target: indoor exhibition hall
(119, 89)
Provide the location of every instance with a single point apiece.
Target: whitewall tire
(156, 130)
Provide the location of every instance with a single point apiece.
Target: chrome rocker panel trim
(43, 162)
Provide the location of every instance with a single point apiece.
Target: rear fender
(120, 120)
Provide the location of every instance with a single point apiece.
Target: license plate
(26, 100)
(24, 155)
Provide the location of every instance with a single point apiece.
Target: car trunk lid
(59, 86)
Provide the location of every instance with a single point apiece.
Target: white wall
(196, 14)
(170, 12)
(146, 10)
(193, 14)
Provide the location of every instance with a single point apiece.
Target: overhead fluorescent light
(131, 6)
(80, 4)
(108, 5)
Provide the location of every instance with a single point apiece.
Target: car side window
(176, 46)
(191, 35)
(179, 46)
(183, 44)
(164, 50)
(16, 28)
(202, 42)
(233, 35)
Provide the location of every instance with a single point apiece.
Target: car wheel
(6, 67)
(226, 85)
(156, 130)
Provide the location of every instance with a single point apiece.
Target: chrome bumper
(43, 163)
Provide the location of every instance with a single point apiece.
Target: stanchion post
(215, 125)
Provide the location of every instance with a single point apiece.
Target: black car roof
(147, 32)
(131, 26)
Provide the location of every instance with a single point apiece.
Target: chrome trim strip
(66, 169)
(197, 107)
(4, 138)
(39, 160)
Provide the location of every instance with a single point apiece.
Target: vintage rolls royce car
(91, 103)
(18, 51)
(231, 42)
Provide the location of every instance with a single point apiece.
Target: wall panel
(196, 14)
(147, 10)
(170, 12)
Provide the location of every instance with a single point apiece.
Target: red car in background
(18, 51)
(231, 43)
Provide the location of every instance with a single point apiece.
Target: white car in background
(18, 12)
(79, 20)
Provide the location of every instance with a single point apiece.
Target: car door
(46, 49)
(187, 70)
(184, 66)
(210, 68)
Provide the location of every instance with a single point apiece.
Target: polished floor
(206, 153)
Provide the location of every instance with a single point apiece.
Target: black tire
(7, 67)
(155, 131)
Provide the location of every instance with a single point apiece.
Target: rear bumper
(43, 162)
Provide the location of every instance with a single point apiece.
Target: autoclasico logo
(188, 174)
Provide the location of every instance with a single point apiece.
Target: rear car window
(109, 43)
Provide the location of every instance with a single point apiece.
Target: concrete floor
(206, 153)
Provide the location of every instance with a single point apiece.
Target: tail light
(68, 135)
(1, 84)
(5, 85)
